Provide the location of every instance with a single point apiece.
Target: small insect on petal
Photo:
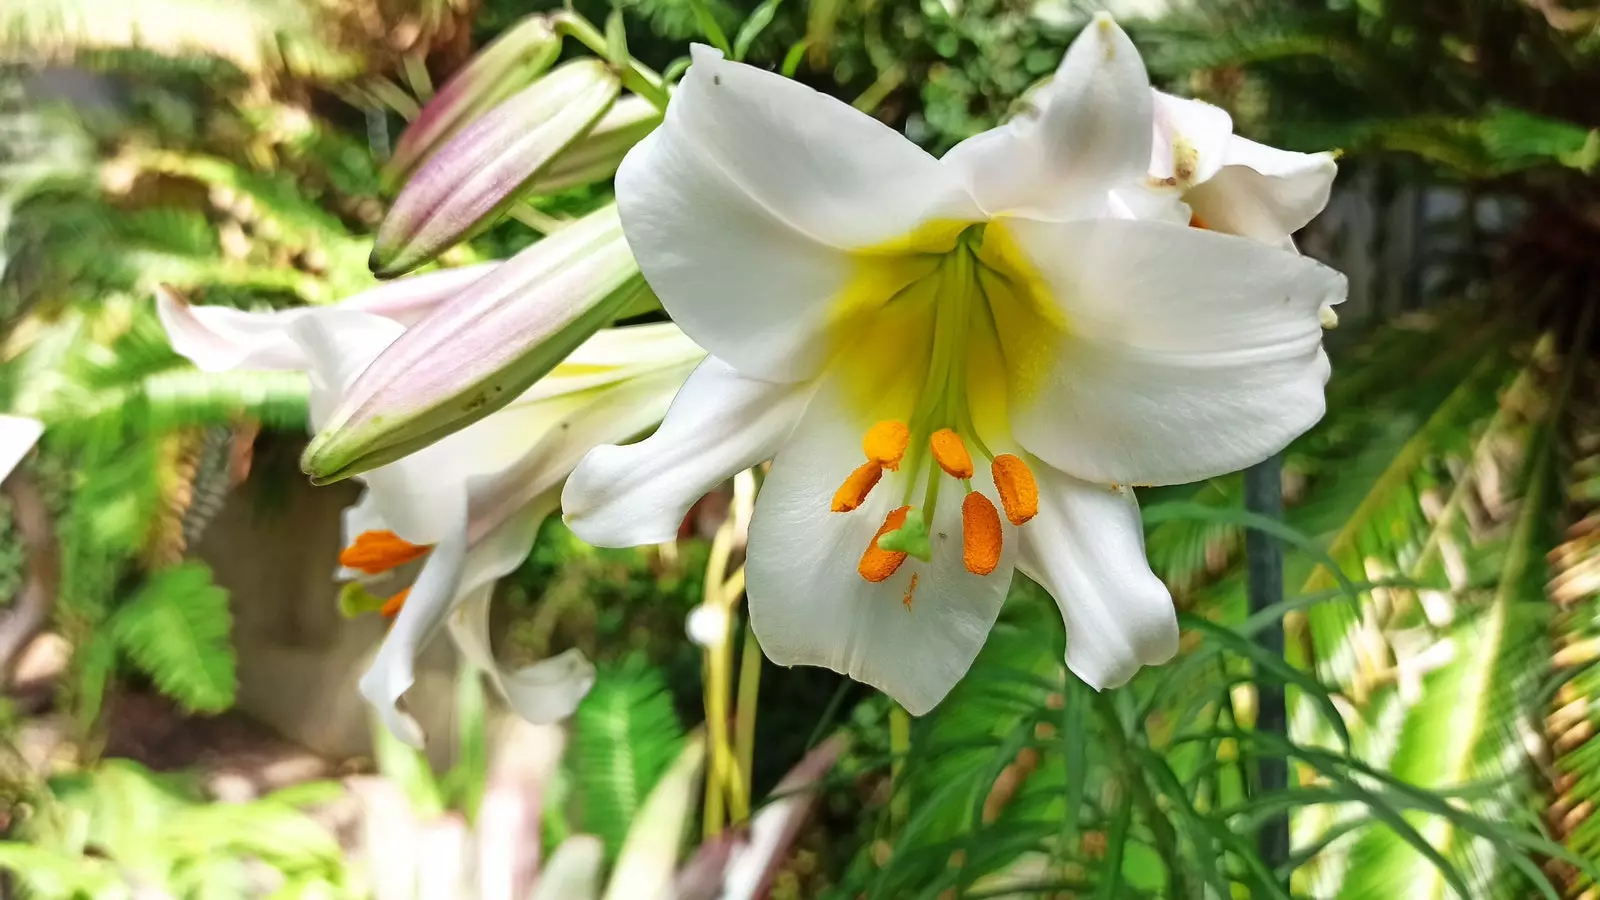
(876, 563)
(379, 551)
(885, 443)
(1019, 493)
(981, 538)
(951, 453)
(854, 491)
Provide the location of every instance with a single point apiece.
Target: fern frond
(625, 734)
(176, 629)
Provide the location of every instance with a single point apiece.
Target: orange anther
(379, 551)
(951, 453)
(878, 563)
(981, 539)
(855, 488)
(1196, 222)
(1019, 493)
(885, 443)
(911, 590)
(391, 606)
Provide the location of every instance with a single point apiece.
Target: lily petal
(720, 423)
(429, 603)
(744, 207)
(219, 339)
(1086, 547)
(1174, 354)
(1091, 132)
(1191, 139)
(17, 436)
(810, 606)
(1264, 193)
(543, 692)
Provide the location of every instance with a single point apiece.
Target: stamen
(391, 607)
(951, 453)
(379, 551)
(885, 443)
(1196, 222)
(877, 563)
(1019, 493)
(854, 491)
(910, 590)
(981, 538)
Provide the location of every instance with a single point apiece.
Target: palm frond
(625, 735)
(177, 630)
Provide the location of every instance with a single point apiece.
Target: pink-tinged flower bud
(596, 155)
(507, 65)
(479, 352)
(465, 186)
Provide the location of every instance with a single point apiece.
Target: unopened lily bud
(596, 155)
(507, 65)
(477, 353)
(464, 187)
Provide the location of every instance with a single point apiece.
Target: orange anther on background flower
(855, 488)
(981, 538)
(877, 563)
(951, 453)
(1196, 222)
(379, 551)
(391, 607)
(885, 443)
(1019, 493)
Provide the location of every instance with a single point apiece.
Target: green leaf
(754, 24)
(710, 29)
(176, 630)
(625, 734)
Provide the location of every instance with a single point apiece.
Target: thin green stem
(744, 715)
(899, 749)
(636, 76)
(1165, 837)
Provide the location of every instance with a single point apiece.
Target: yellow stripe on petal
(1029, 323)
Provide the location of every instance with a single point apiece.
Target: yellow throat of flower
(957, 301)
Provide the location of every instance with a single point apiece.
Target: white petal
(542, 692)
(1174, 354)
(426, 607)
(744, 206)
(218, 339)
(1191, 139)
(719, 424)
(1264, 193)
(574, 870)
(332, 346)
(17, 436)
(1091, 134)
(810, 606)
(617, 354)
(1086, 547)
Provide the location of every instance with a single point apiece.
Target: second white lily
(470, 505)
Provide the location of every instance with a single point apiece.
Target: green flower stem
(636, 77)
(899, 749)
(744, 715)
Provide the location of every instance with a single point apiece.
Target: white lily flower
(878, 319)
(18, 434)
(470, 505)
(1231, 184)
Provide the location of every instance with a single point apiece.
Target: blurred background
(180, 717)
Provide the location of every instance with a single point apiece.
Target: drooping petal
(1086, 547)
(1090, 133)
(432, 597)
(1143, 353)
(219, 339)
(810, 606)
(1264, 193)
(749, 207)
(542, 692)
(17, 436)
(1191, 139)
(719, 424)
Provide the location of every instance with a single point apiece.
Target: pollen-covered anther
(981, 538)
(1019, 492)
(877, 563)
(1196, 222)
(951, 453)
(374, 552)
(855, 489)
(885, 443)
(391, 607)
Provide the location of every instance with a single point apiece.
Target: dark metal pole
(1263, 495)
